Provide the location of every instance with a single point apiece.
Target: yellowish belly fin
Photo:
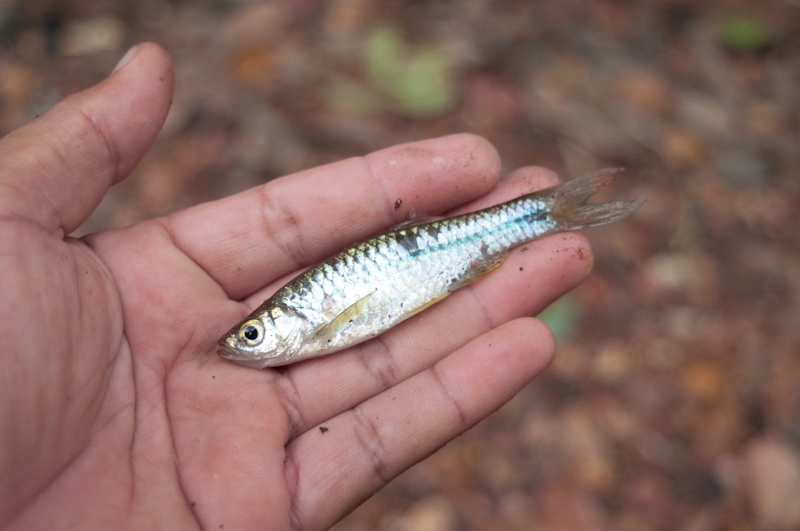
(344, 318)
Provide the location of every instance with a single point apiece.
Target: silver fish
(374, 285)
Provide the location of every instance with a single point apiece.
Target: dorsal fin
(416, 222)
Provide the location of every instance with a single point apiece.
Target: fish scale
(449, 245)
(374, 285)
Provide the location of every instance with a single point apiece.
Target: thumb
(56, 169)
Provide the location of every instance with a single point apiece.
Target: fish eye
(252, 332)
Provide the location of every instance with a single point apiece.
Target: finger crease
(180, 481)
(53, 212)
(380, 365)
(290, 397)
(279, 220)
(369, 438)
(165, 224)
(460, 413)
(292, 474)
(111, 151)
(197, 329)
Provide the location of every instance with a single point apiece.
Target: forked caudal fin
(571, 210)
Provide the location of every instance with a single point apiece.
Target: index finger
(249, 239)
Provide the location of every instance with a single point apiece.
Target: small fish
(374, 285)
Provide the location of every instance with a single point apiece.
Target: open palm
(114, 410)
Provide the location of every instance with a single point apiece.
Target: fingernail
(130, 54)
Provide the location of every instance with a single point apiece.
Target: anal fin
(427, 305)
(479, 270)
(476, 272)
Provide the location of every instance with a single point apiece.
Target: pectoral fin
(344, 318)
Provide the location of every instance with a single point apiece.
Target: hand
(115, 411)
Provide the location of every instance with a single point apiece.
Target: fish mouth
(226, 352)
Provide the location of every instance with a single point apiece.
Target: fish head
(265, 339)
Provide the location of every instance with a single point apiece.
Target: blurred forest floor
(674, 399)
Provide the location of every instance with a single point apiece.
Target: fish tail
(572, 212)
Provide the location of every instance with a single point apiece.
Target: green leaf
(426, 88)
(383, 58)
(561, 317)
(413, 83)
(744, 35)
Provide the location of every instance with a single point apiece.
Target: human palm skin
(114, 410)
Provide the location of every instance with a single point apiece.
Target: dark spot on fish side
(398, 204)
(323, 429)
